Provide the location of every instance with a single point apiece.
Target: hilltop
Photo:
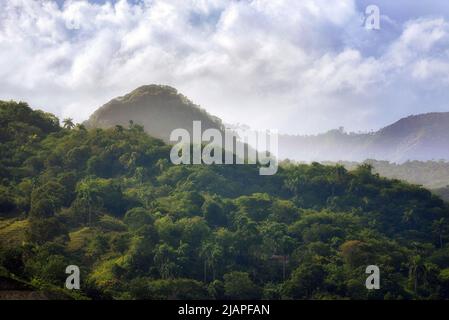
(159, 109)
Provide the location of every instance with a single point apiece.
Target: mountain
(160, 109)
(418, 137)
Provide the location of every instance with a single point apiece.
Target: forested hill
(433, 175)
(110, 202)
(160, 109)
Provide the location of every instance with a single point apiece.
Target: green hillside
(433, 175)
(160, 109)
(111, 202)
(430, 174)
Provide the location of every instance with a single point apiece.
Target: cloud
(297, 66)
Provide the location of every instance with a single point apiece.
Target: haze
(299, 67)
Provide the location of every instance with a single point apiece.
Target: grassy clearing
(12, 232)
(80, 238)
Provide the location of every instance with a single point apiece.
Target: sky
(301, 67)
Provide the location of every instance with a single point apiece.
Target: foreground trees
(138, 227)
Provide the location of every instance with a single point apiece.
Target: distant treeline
(430, 174)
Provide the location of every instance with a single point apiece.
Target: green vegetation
(430, 174)
(12, 232)
(110, 201)
(160, 109)
(433, 175)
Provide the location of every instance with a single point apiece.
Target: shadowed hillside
(160, 109)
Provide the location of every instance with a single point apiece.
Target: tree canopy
(110, 201)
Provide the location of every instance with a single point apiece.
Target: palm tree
(88, 194)
(80, 127)
(211, 253)
(439, 228)
(163, 260)
(68, 123)
(417, 271)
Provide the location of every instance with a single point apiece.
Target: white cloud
(299, 66)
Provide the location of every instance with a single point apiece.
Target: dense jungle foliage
(111, 202)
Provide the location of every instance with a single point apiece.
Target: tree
(212, 254)
(238, 285)
(440, 228)
(48, 198)
(356, 253)
(164, 258)
(417, 271)
(284, 211)
(48, 264)
(172, 289)
(193, 230)
(138, 217)
(156, 230)
(7, 201)
(213, 213)
(101, 195)
(86, 195)
(43, 230)
(306, 280)
(68, 123)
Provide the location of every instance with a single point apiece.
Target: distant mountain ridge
(419, 137)
(161, 109)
